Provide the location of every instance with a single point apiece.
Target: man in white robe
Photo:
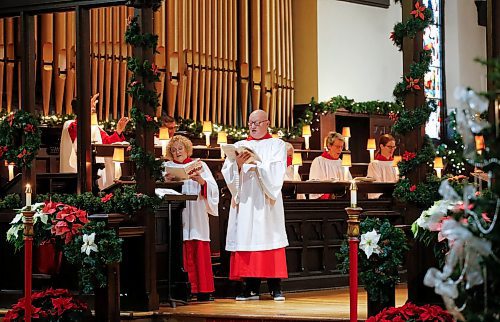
(328, 166)
(256, 233)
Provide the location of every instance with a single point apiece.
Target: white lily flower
(369, 243)
(88, 244)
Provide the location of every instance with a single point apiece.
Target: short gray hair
(332, 136)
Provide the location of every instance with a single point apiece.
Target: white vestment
(195, 223)
(290, 175)
(323, 169)
(381, 171)
(256, 217)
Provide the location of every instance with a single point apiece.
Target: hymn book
(232, 151)
(184, 171)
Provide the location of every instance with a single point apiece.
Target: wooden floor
(327, 305)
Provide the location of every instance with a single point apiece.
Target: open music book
(231, 151)
(183, 171)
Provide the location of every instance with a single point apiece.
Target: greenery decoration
(408, 120)
(55, 119)
(50, 305)
(42, 226)
(19, 138)
(422, 194)
(421, 18)
(452, 152)
(143, 160)
(91, 252)
(378, 270)
(134, 37)
(411, 161)
(154, 4)
(414, 79)
(11, 201)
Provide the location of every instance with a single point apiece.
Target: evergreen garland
(421, 18)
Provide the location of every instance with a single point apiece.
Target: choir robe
(68, 148)
(381, 170)
(256, 233)
(196, 229)
(290, 175)
(324, 168)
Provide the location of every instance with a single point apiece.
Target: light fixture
(10, 167)
(296, 163)
(164, 138)
(371, 146)
(480, 146)
(207, 130)
(221, 139)
(346, 133)
(118, 158)
(306, 134)
(346, 164)
(438, 166)
(395, 161)
(275, 136)
(93, 119)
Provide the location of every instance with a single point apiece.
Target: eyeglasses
(174, 150)
(390, 146)
(256, 123)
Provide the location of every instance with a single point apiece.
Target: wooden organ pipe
(47, 37)
(59, 59)
(70, 62)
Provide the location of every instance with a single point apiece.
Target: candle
(28, 194)
(354, 194)
(346, 133)
(207, 130)
(306, 134)
(371, 146)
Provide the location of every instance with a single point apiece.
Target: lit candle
(296, 162)
(346, 163)
(438, 166)
(221, 140)
(164, 138)
(354, 194)
(371, 146)
(118, 158)
(28, 194)
(306, 134)
(346, 133)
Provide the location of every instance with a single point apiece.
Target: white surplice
(381, 171)
(256, 217)
(326, 169)
(195, 223)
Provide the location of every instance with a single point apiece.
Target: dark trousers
(253, 285)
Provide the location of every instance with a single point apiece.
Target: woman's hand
(93, 103)
(197, 177)
(122, 123)
(242, 157)
(169, 177)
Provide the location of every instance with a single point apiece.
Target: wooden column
(493, 51)
(27, 23)
(83, 84)
(145, 183)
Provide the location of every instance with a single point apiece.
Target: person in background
(328, 166)
(289, 174)
(195, 222)
(256, 235)
(168, 122)
(381, 168)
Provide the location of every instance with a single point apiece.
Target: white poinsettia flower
(41, 216)
(88, 244)
(13, 232)
(369, 243)
(17, 218)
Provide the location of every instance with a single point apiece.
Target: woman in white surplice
(256, 235)
(328, 166)
(381, 169)
(195, 223)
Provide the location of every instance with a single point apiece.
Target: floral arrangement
(11, 201)
(68, 220)
(92, 251)
(20, 138)
(383, 247)
(51, 305)
(413, 313)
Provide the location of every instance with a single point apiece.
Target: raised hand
(93, 102)
(122, 123)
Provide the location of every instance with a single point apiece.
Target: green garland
(11, 201)
(19, 138)
(414, 79)
(422, 194)
(417, 23)
(408, 120)
(144, 160)
(92, 267)
(135, 38)
(424, 156)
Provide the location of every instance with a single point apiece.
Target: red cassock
(106, 138)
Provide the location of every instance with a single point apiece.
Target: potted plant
(91, 251)
(412, 313)
(382, 251)
(50, 305)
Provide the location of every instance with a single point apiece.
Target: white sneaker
(278, 296)
(252, 296)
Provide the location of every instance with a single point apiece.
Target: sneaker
(250, 296)
(278, 296)
(204, 297)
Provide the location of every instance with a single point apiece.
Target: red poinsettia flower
(413, 188)
(107, 197)
(10, 119)
(3, 149)
(412, 84)
(129, 20)
(393, 116)
(419, 11)
(22, 154)
(149, 118)
(29, 128)
(392, 36)
(62, 304)
(154, 69)
(134, 83)
(407, 156)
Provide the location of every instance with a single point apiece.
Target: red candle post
(28, 251)
(353, 238)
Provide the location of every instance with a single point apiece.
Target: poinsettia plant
(412, 313)
(382, 250)
(51, 305)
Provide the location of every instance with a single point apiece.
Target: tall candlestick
(28, 194)
(354, 194)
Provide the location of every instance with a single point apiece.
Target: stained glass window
(433, 80)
